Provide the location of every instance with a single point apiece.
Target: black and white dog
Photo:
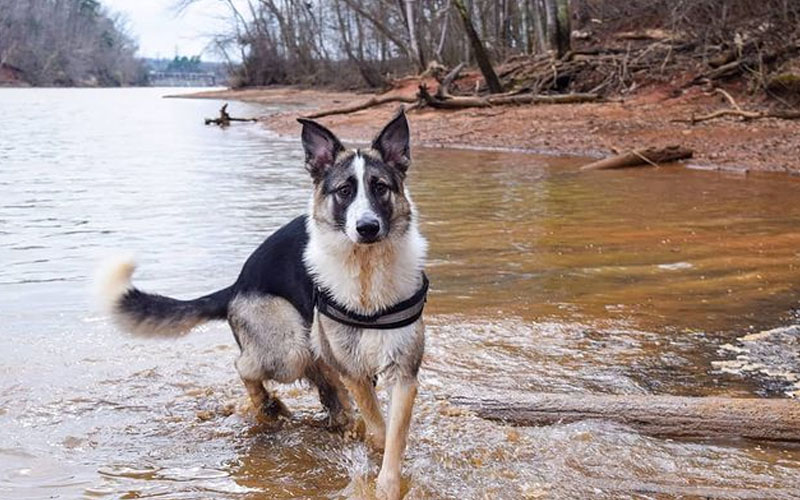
(334, 296)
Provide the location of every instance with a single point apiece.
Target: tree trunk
(666, 416)
(538, 19)
(558, 26)
(443, 36)
(412, 35)
(551, 23)
(478, 50)
(564, 27)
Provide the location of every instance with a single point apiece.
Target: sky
(161, 32)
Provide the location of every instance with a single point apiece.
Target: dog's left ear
(393, 143)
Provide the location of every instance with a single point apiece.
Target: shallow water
(544, 279)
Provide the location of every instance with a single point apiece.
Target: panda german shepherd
(334, 296)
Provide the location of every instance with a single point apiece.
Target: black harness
(399, 315)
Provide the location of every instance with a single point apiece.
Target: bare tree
(478, 50)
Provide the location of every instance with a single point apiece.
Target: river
(543, 278)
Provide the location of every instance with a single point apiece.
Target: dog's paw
(340, 421)
(355, 429)
(388, 486)
(272, 410)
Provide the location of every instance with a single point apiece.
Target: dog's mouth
(369, 241)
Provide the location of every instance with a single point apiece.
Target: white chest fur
(366, 278)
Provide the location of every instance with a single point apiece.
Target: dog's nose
(368, 227)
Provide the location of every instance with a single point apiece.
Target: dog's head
(360, 192)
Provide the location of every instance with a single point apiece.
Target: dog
(334, 296)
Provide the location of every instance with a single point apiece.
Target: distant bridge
(180, 79)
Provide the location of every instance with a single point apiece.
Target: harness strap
(399, 315)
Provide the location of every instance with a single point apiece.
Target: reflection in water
(668, 247)
(543, 278)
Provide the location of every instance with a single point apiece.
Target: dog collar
(399, 315)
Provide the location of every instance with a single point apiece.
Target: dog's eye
(381, 188)
(345, 191)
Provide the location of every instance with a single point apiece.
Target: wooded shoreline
(590, 129)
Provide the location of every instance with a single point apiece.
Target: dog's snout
(368, 227)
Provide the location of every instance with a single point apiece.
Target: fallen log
(225, 119)
(663, 416)
(372, 102)
(657, 487)
(452, 102)
(641, 157)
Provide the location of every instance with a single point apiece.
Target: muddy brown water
(544, 279)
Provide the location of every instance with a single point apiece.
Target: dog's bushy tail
(152, 315)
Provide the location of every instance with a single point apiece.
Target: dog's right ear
(321, 147)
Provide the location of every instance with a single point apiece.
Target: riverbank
(658, 117)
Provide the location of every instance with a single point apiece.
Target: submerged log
(641, 157)
(663, 416)
(225, 119)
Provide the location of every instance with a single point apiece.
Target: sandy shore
(591, 129)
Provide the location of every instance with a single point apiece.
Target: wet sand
(590, 129)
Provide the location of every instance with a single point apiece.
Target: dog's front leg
(367, 400)
(403, 394)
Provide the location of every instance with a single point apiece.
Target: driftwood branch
(745, 115)
(372, 102)
(729, 98)
(443, 91)
(225, 119)
(664, 416)
(641, 157)
(451, 102)
(738, 112)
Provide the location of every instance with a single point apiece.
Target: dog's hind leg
(270, 333)
(268, 406)
(332, 394)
